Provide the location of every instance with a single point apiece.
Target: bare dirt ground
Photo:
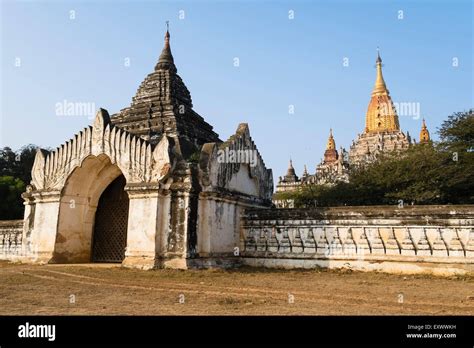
(112, 290)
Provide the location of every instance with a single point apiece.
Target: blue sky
(47, 58)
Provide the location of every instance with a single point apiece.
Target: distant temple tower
(381, 134)
(424, 134)
(290, 181)
(381, 114)
(330, 155)
(382, 129)
(333, 167)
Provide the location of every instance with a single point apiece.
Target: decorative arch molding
(77, 207)
(137, 159)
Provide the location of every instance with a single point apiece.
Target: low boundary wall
(414, 239)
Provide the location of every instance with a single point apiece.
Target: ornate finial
(166, 60)
(380, 87)
(167, 34)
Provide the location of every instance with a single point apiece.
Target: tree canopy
(11, 203)
(15, 174)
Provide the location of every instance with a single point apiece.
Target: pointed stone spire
(424, 133)
(305, 171)
(290, 167)
(380, 87)
(162, 106)
(290, 174)
(166, 60)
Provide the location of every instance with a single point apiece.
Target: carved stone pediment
(37, 173)
(138, 159)
(221, 163)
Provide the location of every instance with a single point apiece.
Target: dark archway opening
(111, 220)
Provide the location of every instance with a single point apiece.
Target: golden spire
(330, 155)
(380, 87)
(424, 133)
(381, 114)
(331, 144)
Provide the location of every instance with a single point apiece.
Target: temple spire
(167, 35)
(330, 155)
(290, 174)
(381, 113)
(166, 60)
(291, 170)
(380, 87)
(331, 144)
(305, 171)
(424, 133)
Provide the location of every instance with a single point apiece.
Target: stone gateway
(145, 187)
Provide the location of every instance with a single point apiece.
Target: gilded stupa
(424, 134)
(330, 155)
(382, 129)
(381, 114)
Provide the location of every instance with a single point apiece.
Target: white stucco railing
(11, 233)
(433, 238)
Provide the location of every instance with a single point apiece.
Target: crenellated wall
(414, 239)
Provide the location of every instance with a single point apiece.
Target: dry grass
(109, 290)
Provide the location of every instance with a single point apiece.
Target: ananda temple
(382, 133)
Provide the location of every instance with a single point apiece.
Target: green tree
(457, 146)
(7, 161)
(11, 203)
(18, 163)
(15, 173)
(457, 132)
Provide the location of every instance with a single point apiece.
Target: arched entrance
(110, 227)
(79, 202)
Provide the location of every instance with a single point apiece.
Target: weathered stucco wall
(415, 239)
